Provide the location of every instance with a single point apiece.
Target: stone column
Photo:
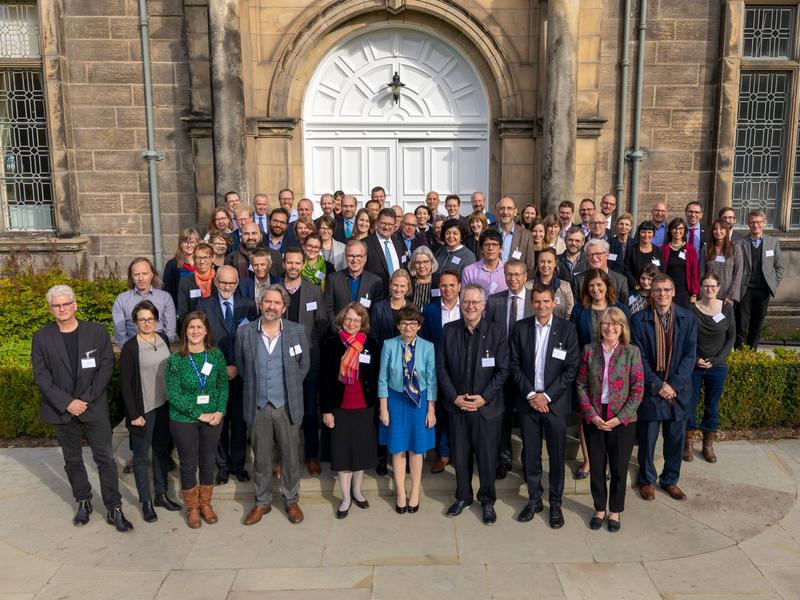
(227, 95)
(560, 121)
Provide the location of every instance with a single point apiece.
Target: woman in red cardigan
(610, 386)
(680, 263)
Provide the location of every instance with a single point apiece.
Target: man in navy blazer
(471, 366)
(408, 237)
(226, 312)
(382, 242)
(353, 284)
(544, 363)
(668, 384)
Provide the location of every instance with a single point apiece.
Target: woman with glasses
(200, 285)
(220, 222)
(680, 263)
(315, 268)
(453, 255)
(181, 265)
(219, 243)
(424, 278)
(332, 250)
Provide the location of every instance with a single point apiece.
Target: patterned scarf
(410, 379)
(348, 367)
(663, 341)
(204, 282)
(310, 270)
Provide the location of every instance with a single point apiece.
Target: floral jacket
(626, 382)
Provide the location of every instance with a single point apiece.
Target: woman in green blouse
(197, 386)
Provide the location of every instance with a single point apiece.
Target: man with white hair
(478, 200)
(72, 366)
(597, 258)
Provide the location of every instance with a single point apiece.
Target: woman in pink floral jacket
(610, 385)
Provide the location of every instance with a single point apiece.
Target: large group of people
(369, 337)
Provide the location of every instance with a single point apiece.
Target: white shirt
(542, 337)
(520, 308)
(453, 314)
(269, 343)
(607, 359)
(392, 251)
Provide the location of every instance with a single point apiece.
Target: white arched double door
(357, 137)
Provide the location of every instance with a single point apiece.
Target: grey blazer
(497, 308)
(771, 262)
(295, 366)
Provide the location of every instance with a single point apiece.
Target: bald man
(659, 217)
(226, 312)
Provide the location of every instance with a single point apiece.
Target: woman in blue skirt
(407, 393)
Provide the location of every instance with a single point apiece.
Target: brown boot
(708, 446)
(688, 446)
(191, 499)
(208, 514)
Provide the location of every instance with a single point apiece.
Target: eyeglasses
(406, 224)
(226, 283)
(491, 245)
(146, 320)
(311, 247)
(408, 324)
(355, 256)
(472, 302)
(352, 320)
(62, 305)
(607, 324)
(278, 222)
(595, 254)
(203, 257)
(423, 261)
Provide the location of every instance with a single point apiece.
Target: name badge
(516, 254)
(718, 317)
(487, 361)
(682, 254)
(656, 262)
(194, 293)
(88, 363)
(558, 300)
(203, 399)
(612, 257)
(719, 258)
(456, 260)
(297, 350)
(242, 323)
(631, 299)
(769, 253)
(403, 259)
(311, 306)
(436, 293)
(206, 370)
(364, 358)
(319, 275)
(559, 353)
(366, 302)
(492, 287)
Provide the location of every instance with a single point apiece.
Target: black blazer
(338, 233)
(315, 320)
(489, 381)
(130, 382)
(376, 258)
(186, 303)
(333, 349)
(52, 372)
(419, 240)
(243, 309)
(381, 321)
(337, 291)
(559, 375)
(172, 279)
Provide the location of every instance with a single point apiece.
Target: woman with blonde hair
(182, 264)
(477, 224)
(552, 233)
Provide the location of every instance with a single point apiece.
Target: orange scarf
(204, 282)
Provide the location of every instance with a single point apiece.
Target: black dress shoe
(412, 509)
(457, 507)
(221, 478)
(596, 523)
(118, 520)
(382, 469)
(489, 516)
(148, 512)
(82, 515)
(530, 509)
(556, 517)
(341, 514)
(165, 501)
(502, 471)
(361, 503)
(242, 475)
(614, 525)
(400, 510)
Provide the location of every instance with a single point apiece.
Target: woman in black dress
(680, 263)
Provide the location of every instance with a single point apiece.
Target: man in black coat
(544, 363)
(72, 365)
(352, 284)
(472, 365)
(226, 312)
(385, 253)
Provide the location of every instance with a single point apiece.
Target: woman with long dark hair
(724, 259)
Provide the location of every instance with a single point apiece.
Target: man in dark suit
(696, 234)
(408, 237)
(599, 231)
(226, 312)
(385, 254)
(326, 204)
(346, 221)
(506, 308)
(572, 261)
(544, 363)
(251, 241)
(279, 237)
(72, 365)
(352, 284)
(597, 258)
(666, 335)
(472, 365)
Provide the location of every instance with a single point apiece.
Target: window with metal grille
(25, 175)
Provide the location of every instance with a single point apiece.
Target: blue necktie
(388, 253)
(261, 223)
(348, 228)
(228, 318)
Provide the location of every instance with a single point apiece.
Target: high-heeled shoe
(413, 509)
(401, 509)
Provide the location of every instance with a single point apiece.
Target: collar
(520, 295)
(482, 265)
(539, 326)
(148, 291)
(261, 330)
(456, 305)
(352, 277)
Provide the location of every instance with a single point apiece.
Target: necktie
(261, 223)
(691, 237)
(388, 253)
(228, 318)
(514, 307)
(348, 228)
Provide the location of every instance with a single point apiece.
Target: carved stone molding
(395, 7)
(266, 127)
(518, 127)
(591, 127)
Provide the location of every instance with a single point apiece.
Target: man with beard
(240, 259)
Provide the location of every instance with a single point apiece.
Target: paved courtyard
(736, 537)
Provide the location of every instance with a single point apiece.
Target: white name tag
(295, 350)
(769, 253)
(559, 353)
(364, 358)
(403, 259)
(719, 258)
(319, 275)
(487, 361)
(631, 299)
(203, 399)
(311, 306)
(682, 254)
(516, 254)
(656, 262)
(194, 293)
(718, 317)
(558, 300)
(456, 260)
(88, 363)
(612, 257)
(492, 287)
(366, 302)
(206, 370)
(436, 293)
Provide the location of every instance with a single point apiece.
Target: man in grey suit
(761, 274)
(72, 366)
(517, 241)
(597, 258)
(272, 358)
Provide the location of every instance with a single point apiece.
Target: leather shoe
(502, 471)
(276, 471)
(165, 501)
(457, 507)
(313, 467)
(360, 503)
(294, 513)
(128, 468)
(489, 516)
(242, 475)
(647, 491)
(255, 514)
(556, 517)
(674, 491)
(412, 509)
(596, 522)
(614, 525)
(341, 514)
(82, 514)
(530, 509)
(148, 512)
(439, 464)
(221, 478)
(118, 520)
(382, 469)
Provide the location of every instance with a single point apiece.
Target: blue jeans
(713, 380)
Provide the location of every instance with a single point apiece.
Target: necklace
(154, 343)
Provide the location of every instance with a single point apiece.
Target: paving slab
(528, 580)
(90, 583)
(23, 572)
(774, 547)
(208, 584)
(320, 578)
(430, 583)
(621, 581)
(302, 595)
(786, 581)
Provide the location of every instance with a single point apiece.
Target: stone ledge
(38, 244)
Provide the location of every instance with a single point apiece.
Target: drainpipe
(636, 155)
(623, 100)
(151, 155)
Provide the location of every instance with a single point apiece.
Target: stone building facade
(523, 97)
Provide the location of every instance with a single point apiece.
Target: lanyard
(201, 379)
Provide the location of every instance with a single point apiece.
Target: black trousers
(310, 416)
(750, 313)
(155, 435)
(536, 427)
(99, 434)
(612, 448)
(504, 455)
(233, 435)
(473, 436)
(197, 449)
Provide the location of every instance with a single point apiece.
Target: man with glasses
(241, 257)
(487, 272)
(597, 252)
(608, 204)
(517, 241)
(278, 239)
(143, 284)
(659, 216)
(727, 214)
(286, 202)
(261, 212)
(762, 272)
(346, 222)
(666, 335)
(696, 234)
(598, 231)
(353, 284)
(72, 365)
(227, 312)
(572, 261)
(385, 253)
(408, 235)
(586, 209)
